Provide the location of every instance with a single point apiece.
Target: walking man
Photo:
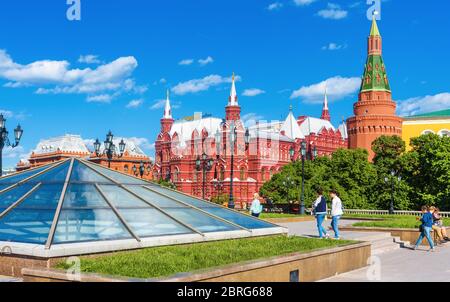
(319, 209)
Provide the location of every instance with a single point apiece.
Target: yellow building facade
(433, 122)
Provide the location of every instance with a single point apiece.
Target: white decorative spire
(291, 128)
(233, 101)
(167, 108)
(325, 102)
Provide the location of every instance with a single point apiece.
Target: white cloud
(135, 104)
(275, 6)
(15, 153)
(186, 62)
(334, 46)
(159, 104)
(101, 98)
(333, 11)
(198, 85)
(303, 2)
(89, 59)
(143, 143)
(250, 119)
(338, 88)
(6, 113)
(253, 92)
(56, 77)
(206, 61)
(424, 104)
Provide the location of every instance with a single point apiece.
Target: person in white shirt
(256, 208)
(336, 212)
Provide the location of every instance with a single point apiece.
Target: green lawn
(403, 222)
(166, 261)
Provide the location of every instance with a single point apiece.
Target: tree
(388, 151)
(428, 170)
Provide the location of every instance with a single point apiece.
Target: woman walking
(256, 207)
(336, 212)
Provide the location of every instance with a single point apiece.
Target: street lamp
(303, 157)
(315, 152)
(393, 179)
(110, 148)
(4, 139)
(233, 137)
(204, 164)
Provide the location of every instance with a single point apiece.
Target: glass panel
(31, 221)
(200, 221)
(239, 219)
(158, 200)
(16, 178)
(187, 199)
(119, 177)
(82, 173)
(121, 198)
(151, 222)
(56, 175)
(89, 225)
(81, 196)
(8, 198)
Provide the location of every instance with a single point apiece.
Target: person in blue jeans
(336, 212)
(425, 228)
(319, 209)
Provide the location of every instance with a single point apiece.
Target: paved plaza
(399, 265)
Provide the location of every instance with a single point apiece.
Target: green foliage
(221, 199)
(402, 222)
(427, 168)
(170, 260)
(167, 184)
(422, 176)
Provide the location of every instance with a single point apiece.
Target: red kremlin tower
(375, 110)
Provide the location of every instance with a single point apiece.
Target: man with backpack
(319, 209)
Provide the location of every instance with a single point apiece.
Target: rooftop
(434, 114)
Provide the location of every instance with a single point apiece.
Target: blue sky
(111, 69)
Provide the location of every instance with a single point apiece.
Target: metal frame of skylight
(198, 209)
(121, 218)
(51, 234)
(144, 200)
(179, 192)
(32, 176)
(19, 201)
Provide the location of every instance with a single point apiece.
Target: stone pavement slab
(401, 265)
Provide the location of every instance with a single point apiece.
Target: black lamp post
(315, 152)
(4, 139)
(303, 157)
(110, 149)
(394, 177)
(205, 165)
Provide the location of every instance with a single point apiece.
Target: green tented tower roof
(76, 207)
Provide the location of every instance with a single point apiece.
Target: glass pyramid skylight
(78, 202)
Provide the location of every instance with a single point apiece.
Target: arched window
(176, 175)
(428, 132)
(242, 174)
(444, 133)
(263, 174)
(126, 169)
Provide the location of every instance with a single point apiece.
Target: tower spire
(374, 30)
(167, 108)
(325, 110)
(233, 100)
